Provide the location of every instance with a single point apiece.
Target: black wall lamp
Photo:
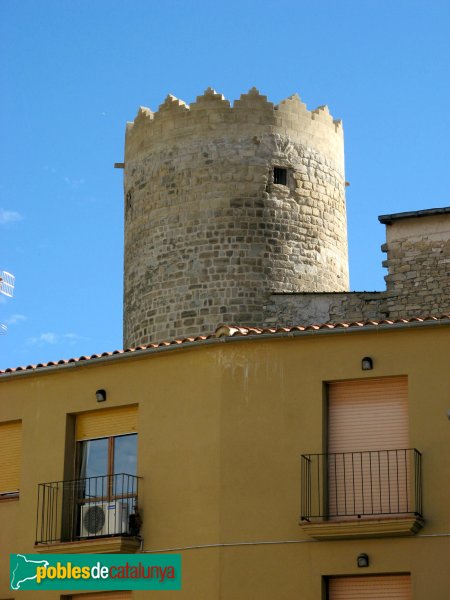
(367, 363)
(362, 560)
(100, 395)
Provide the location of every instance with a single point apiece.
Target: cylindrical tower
(225, 205)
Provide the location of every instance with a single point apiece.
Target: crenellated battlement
(253, 99)
(210, 99)
(211, 115)
(171, 103)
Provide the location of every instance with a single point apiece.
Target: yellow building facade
(295, 464)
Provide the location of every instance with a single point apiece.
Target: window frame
(14, 494)
(280, 176)
(110, 475)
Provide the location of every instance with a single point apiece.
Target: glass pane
(94, 458)
(125, 451)
(93, 461)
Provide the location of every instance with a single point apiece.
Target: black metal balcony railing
(87, 508)
(361, 484)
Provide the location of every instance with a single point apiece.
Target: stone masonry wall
(418, 262)
(307, 309)
(209, 236)
(418, 280)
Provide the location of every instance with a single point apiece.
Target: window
(371, 587)
(101, 596)
(106, 457)
(106, 463)
(368, 448)
(280, 175)
(10, 453)
(100, 497)
(106, 450)
(368, 471)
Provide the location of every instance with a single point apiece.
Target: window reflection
(125, 447)
(94, 458)
(108, 465)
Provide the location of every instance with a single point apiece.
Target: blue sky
(73, 72)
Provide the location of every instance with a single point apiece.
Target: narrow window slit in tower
(280, 175)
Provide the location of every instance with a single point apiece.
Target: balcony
(361, 494)
(93, 514)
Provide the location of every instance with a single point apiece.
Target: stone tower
(226, 205)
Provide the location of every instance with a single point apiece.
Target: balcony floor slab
(362, 528)
(105, 545)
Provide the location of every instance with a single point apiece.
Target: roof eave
(235, 335)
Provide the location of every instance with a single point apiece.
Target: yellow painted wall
(221, 428)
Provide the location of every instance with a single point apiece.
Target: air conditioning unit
(104, 518)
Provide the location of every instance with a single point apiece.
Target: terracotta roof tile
(60, 362)
(235, 331)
